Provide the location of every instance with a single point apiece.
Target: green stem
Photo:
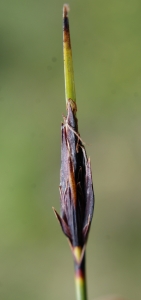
(80, 280)
(68, 63)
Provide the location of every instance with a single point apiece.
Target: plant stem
(68, 63)
(80, 276)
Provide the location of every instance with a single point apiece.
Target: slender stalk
(68, 63)
(80, 276)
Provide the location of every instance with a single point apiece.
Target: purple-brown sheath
(76, 187)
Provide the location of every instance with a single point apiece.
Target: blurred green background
(35, 260)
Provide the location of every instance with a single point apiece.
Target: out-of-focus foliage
(35, 260)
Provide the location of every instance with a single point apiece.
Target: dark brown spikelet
(76, 187)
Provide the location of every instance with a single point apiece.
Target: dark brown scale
(76, 188)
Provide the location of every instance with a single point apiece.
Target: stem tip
(66, 9)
